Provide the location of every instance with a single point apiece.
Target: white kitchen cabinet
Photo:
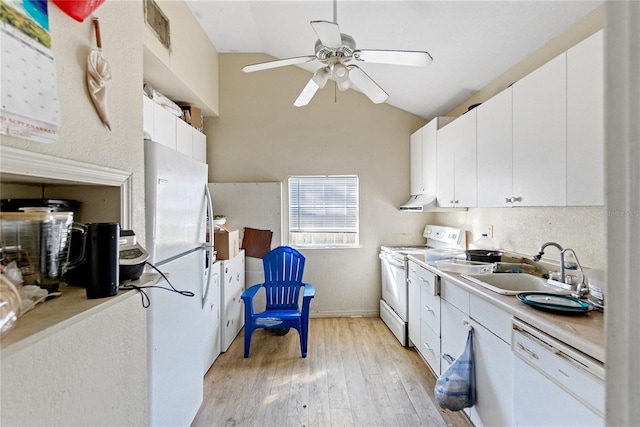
(492, 351)
(429, 153)
(164, 127)
(184, 138)
(585, 122)
(173, 132)
(424, 162)
(454, 320)
(147, 115)
(494, 364)
(416, 186)
(211, 309)
(457, 159)
(232, 285)
(540, 134)
(413, 296)
(199, 141)
(424, 314)
(454, 330)
(495, 151)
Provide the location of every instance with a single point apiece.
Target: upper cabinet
(415, 149)
(169, 130)
(495, 151)
(456, 158)
(540, 142)
(585, 122)
(539, 135)
(423, 157)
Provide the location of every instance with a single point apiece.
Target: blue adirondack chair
(283, 268)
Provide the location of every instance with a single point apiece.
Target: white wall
(261, 136)
(188, 72)
(524, 230)
(82, 136)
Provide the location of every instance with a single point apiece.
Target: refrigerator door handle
(210, 254)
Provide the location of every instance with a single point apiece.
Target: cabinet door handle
(428, 308)
(508, 199)
(516, 199)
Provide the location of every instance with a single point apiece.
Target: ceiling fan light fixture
(340, 73)
(344, 85)
(320, 77)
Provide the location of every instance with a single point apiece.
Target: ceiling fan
(340, 61)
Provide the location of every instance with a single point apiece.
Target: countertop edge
(29, 328)
(545, 322)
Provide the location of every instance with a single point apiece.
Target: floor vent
(158, 22)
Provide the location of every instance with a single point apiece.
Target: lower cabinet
(494, 379)
(492, 351)
(424, 313)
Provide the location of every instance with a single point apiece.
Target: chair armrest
(309, 291)
(251, 292)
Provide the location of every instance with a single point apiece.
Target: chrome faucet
(582, 289)
(541, 252)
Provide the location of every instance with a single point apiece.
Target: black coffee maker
(99, 272)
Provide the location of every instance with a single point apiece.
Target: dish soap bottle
(484, 242)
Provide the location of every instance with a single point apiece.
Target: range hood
(420, 203)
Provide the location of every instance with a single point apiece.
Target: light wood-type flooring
(355, 374)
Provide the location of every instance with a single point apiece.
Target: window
(324, 211)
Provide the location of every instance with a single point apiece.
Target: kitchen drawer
(430, 347)
(491, 317)
(424, 278)
(430, 309)
(455, 295)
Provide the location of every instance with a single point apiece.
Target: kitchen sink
(514, 283)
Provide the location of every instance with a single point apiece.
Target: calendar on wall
(30, 107)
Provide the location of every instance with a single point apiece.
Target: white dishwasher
(553, 383)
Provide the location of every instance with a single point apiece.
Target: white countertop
(583, 332)
(71, 307)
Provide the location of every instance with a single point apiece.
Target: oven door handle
(391, 260)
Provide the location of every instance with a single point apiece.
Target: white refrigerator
(177, 204)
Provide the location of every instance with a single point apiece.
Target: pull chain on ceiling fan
(337, 53)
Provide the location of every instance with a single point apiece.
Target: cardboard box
(192, 115)
(226, 241)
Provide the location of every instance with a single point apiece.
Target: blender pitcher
(39, 244)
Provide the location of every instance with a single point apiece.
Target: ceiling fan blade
(367, 85)
(317, 81)
(395, 57)
(278, 63)
(328, 33)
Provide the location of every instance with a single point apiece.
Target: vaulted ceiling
(471, 42)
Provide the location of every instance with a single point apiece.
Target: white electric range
(394, 305)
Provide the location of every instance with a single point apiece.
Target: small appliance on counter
(39, 243)
(133, 257)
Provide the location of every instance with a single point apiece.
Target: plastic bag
(10, 302)
(456, 387)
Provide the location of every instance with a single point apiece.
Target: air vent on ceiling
(158, 22)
